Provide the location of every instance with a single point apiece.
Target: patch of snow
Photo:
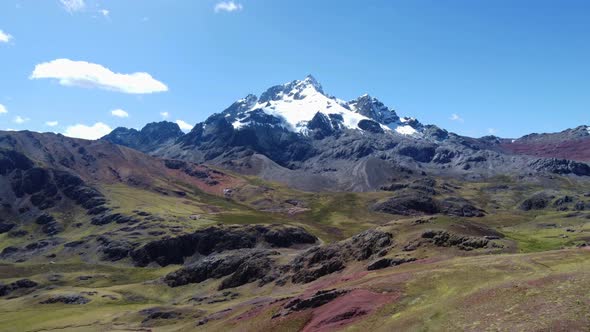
(406, 130)
(237, 124)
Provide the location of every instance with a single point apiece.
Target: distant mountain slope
(149, 138)
(297, 134)
(571, 144)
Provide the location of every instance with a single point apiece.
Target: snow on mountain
(297, 102)
(373, 109)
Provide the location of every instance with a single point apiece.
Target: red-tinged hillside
(573, 144)
(104, 162)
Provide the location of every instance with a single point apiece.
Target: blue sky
(473, 67)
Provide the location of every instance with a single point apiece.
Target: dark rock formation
(455, 206)
(445, 239)
(242, 267)
(323, 260)
(157, 314)
(388, 262)
(19, 284)
(370, 126)
(113, 250)
(561, 166)
(11, 160)
(316, 300)
(420, 153)
(219, 239)
(66, 299)
(6, 226)
(408, 203)
(536, 202)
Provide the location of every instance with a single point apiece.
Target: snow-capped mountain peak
(294, 104)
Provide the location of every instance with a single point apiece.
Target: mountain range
(298, 134)
(295, 211)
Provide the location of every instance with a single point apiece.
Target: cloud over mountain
(95, 131)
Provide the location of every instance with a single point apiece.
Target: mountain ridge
(295, 131)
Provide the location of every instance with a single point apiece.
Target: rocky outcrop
(459, 207)
(371, 126)
(242, 267)
(66, 299)
(245, 266)
(318, 299)
(417, 198)
(409, 203)
(6, 226)
(17, 285)
(45, 188)
(112, 249)
(561, 166)
(11, 160)
(445, 239)
(323, 260)
(536, 202)
(219, 239)
(388, 262)
(419, 152)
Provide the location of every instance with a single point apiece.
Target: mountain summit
(295, 104)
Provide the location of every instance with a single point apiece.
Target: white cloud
(20, 120)
(227, 6)
(105, 12)
(492, 131)
(91, 75)
(456, 117)
(51, 123)
(165, 115)
(119, 113)
(4, 37)
(93, 132)
(73, 5)
(3, 109)
(184, 125)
